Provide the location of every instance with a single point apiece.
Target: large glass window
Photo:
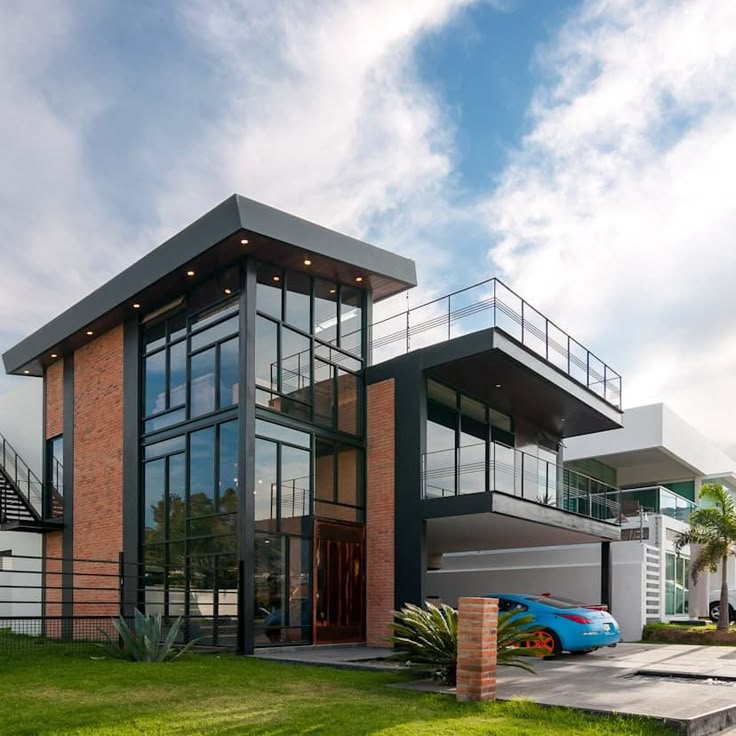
(308, 334)
(191, 359)
(55, 476)
(189, 499)
(469, 445)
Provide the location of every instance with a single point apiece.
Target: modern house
(659, 462)
(257, 453)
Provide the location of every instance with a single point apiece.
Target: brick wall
(477, 630)
(98, 467)
(380, 512)
(55, 399)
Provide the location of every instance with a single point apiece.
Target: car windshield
(552, 602)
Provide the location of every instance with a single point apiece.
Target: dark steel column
(132, 594)
(606, 574)
(410, 528)
(67, 545)
(246, 459)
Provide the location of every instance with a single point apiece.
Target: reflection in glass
(155, 505)
(227, 493)
(178, 374)
(296, 487)
(155, 383)
(202, 472)
(268, 291)
(177, 497)
(202, 386)
(285, 434)
(295, 365)
(266, 493)
(229, 365)
(325, 310)
(266, 353)
(351, 319)
(215, 333)
(297, 300)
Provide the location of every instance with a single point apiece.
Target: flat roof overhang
(530, 387)
(485, 521)
(210, 244)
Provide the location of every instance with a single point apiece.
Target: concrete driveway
(694, 688)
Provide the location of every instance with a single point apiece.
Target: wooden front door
(339, 582)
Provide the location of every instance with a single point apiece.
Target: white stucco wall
(21, 417)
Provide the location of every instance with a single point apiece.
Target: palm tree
(713, 527)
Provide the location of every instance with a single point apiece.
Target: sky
(581, 151)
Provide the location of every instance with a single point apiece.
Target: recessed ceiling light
(244, 241)
(228, 291)
(307, 261)
(54, 355)
(333, 291)
(498, 385)
(190, 273)
(26, 372)
(277, 278)
(90, 332)
(136, 305)
(358, 278)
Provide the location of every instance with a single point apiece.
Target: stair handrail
(30, 479)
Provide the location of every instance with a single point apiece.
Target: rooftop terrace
(492, 304)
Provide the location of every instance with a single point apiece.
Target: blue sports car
(565, 625)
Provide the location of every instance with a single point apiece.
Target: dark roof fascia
(319, 240)
(234, 214)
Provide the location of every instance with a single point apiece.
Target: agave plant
(427, 637)
(145, 640)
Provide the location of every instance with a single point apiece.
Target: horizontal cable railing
(493, 304)
(494, 466)
(656, 499)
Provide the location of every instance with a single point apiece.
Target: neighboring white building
(21, 420)
(660, 462)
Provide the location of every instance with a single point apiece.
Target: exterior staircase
(22, 495)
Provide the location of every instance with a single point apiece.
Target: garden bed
(700, 635)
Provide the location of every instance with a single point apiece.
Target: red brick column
(476, 648)
(98, 471)
(380, 513)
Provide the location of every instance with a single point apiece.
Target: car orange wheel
(545, 643)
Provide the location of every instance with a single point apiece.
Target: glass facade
(309, 453)
(677, 585)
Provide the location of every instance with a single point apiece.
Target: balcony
(492, 304)
(658, 500)
(495, 467)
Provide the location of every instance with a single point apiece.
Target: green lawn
(205, 694)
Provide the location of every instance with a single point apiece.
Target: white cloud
(617, 214)
(314, 108)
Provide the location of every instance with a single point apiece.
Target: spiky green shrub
(145, 641)
(427, 639)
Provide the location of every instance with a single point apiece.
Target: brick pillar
(476, 648)
(380, 512)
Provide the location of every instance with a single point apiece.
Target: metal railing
(24, 479)
(494, 466)
(656, 499)
(488, 304)
(69, 601)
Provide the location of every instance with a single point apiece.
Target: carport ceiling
(494, 531)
